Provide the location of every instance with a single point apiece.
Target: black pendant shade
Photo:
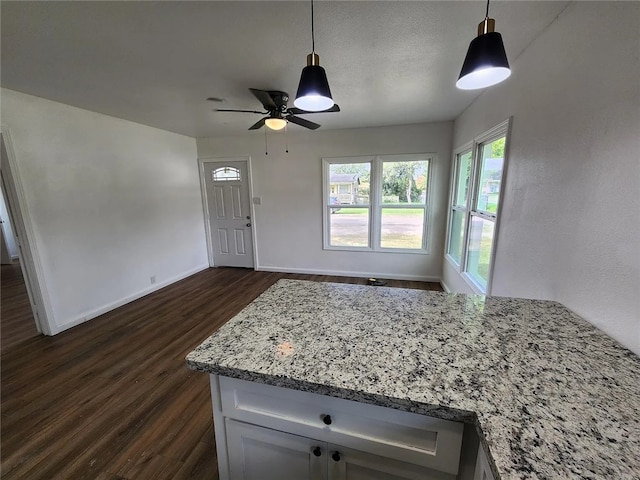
(485, 64)
(314, 94)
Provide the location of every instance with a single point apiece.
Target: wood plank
(112, 398)
(17, 323)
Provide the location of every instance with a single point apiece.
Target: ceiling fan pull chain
(286, 139)
(266, 148)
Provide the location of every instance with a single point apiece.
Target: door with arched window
(229, 213)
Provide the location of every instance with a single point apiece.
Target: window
(225, 174)
(376, 203)
(475, 203)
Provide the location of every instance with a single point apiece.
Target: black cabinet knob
(327, 419)
(336, 456)
(317, 451)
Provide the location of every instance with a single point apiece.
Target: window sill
(473, 285)
(379, 250)
(477, 289)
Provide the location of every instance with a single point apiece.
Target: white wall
(111, 203)
(570, 226)
(288, 223)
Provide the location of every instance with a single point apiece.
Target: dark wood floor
(112, 398)
(17, 323)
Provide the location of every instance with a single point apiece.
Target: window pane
(479, 254)
(402, 227)
(349, 227)
(349, 183)
(462, 179)
(456, 238)
(405, 182)
(492, 155)
(223, 174)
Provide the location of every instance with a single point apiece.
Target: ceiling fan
(277, 113)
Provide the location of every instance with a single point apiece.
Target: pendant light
(486, 62)
(313, 90)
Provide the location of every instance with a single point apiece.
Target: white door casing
(23, 232)
(228, 213)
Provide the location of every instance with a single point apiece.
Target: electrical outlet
(153, 279)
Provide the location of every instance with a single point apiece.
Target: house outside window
(377, 203)
(476, 193)
(344, 186)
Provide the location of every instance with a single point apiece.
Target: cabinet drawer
(405, 436)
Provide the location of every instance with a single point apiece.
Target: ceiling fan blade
(244, 111)
(297, 111)
(302, 122)
(258, 124)
(265, 99)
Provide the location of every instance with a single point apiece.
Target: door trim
(30, 262)
(205, 206)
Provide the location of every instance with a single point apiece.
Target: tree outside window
(389, 210)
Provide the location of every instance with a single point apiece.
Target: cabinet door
(348, 464)
(483, 470)
(257, 453)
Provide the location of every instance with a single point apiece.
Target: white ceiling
(155, 63)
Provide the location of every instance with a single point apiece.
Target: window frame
(375, 204)
(454, 206)
(470, 210)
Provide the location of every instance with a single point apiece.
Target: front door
(227, 191)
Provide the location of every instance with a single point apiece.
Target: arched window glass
(226, 173)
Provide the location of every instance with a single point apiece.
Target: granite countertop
(552, 397)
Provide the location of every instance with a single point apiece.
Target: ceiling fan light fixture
(275, 123)
(486, 62)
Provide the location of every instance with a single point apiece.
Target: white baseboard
(113, 305)
(343, 273)
(445, 286)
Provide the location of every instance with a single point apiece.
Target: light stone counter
(552, 397)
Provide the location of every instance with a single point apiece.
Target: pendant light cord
(486, 16)
(313, 37)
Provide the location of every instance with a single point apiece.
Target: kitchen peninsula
(549, 395)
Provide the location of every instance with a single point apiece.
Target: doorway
(16, 318)
(8, 246)
(17, 321)
(228, 212)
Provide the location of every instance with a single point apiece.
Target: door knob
(248, 224)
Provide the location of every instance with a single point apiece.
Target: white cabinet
(258, 453)
(349, 464)
(483, 470)
(265, 432)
